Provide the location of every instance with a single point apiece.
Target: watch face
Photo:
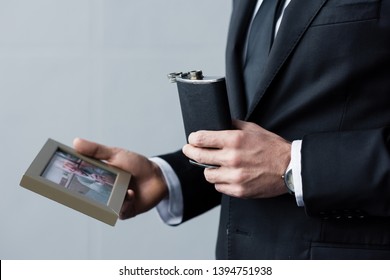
(288, 179)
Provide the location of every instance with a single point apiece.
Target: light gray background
(97, 69)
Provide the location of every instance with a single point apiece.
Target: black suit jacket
(327, 82)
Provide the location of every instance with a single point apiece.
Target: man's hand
(147, 185)
(252, 160)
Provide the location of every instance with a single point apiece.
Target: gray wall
(97, 69)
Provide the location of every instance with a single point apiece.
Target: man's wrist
(160, 180)
(170, 207)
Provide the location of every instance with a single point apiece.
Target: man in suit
(318, 110)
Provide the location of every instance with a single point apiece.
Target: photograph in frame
(87, 185)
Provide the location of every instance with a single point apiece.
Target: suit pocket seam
(344, 22)
(352, 13)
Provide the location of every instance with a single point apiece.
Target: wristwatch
(288, 179)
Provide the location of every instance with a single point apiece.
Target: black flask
(204, 103)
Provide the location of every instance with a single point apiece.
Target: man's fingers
(226, 175)
(92, 149)
(201, 155)
(208, 138)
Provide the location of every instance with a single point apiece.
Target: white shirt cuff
(296, 171)
(170, 208)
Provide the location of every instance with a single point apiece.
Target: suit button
(360, 214)
(336, 214)
(348, 213)
(324, 215)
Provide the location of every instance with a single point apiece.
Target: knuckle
(239, 176)
(196, 138)
(209, 175)
(237, 139)
(219, 188)
(253, 126)
(240, 191)
(234, 159)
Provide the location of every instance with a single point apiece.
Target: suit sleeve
(347, 174)
(199, 195)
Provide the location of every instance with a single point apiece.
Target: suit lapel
(297, 18)
(240, 20)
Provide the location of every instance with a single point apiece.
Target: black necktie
(259, 44)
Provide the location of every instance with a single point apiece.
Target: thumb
(93, 149)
